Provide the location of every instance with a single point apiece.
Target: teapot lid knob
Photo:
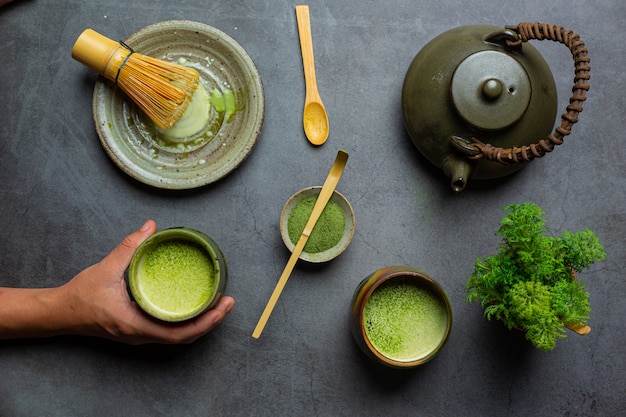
(490, 90)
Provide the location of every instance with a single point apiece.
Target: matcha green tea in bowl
(400, 316)
(177, 274)
(332, 233)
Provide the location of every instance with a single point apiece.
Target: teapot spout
(458, 169)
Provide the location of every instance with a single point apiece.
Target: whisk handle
(99, 53)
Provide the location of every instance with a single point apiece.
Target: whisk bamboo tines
(161, 89)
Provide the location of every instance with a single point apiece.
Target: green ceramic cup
(400, 317)
(177, 274)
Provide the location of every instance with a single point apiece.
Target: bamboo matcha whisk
(161, 89)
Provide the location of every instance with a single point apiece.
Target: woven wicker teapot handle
(476, 149)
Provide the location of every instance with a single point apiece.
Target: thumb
(119, 258)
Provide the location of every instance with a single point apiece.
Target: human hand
(98, 303)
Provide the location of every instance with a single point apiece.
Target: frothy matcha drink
(404, 320)
(176, 278)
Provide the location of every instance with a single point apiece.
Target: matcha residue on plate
(176, 277)
(327, 231)
(404, 321)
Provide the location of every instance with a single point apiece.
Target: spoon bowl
(315, 122)
(315, 119)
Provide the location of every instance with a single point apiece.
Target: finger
(121, 255)
(206, 322)
(225, 305)
(191, 330)
(217, 314)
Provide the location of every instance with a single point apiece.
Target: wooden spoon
(325, 193)
(314, 117)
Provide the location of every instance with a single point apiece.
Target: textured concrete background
(65, 205)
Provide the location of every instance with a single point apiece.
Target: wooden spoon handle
(306, 46)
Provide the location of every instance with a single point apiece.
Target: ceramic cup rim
(346, 238)
(178, 233)
(403, 273)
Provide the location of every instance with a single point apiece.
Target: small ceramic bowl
(177, 274)
(400, 317)
(327, 253)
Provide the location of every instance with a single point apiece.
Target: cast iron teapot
(479, 101)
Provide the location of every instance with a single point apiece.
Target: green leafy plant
(530, 284)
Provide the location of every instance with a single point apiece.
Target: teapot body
(467, 83)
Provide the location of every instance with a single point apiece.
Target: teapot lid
(490, 90)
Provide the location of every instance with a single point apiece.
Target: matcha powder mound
(327, 231)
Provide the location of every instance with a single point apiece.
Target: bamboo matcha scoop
(325, 193)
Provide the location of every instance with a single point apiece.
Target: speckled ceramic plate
(132, 142)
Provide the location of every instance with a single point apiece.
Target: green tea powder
(327, 231)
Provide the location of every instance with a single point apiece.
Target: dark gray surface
(65, 205)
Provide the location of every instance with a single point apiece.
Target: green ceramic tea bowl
(177, 274)
(400, 317)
